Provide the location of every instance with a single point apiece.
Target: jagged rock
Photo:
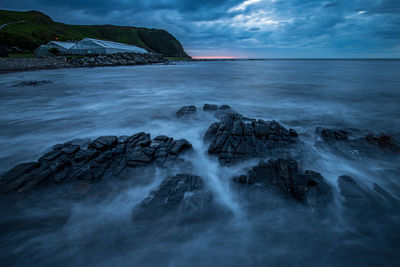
(224, 107)
(383, 141)
(185, 111)
(282, 176)
(237, 138)
(105, 157)
(208, 107)
(332, 134)
(356, 143)
(376, 206)
(218, 111)
(182, 195)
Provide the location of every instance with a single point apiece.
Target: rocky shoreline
(231, 140)
(63, 62)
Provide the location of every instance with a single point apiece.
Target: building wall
(43, 50)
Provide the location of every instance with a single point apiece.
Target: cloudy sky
(247, 28)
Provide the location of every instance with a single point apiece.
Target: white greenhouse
(89, 46)
(63, 47)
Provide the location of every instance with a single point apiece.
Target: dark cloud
(260, 28)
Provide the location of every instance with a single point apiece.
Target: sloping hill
(38, 28)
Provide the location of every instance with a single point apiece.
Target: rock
(368, 209)
(236, 138)
(208, 107)
(105, 157)
(282, 176)
(32, 83)
(355, 144)
(183, 196)
(224, 107)
(332, 134)
(383, 141)
(185, 111)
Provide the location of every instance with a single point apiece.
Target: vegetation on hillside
(38, 29)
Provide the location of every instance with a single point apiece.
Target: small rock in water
(33, 83)
(209, 107)
(185, 111)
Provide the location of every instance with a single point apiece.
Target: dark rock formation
(356, 143)
(33, 83)
(209, 107)
(283, 177)
(376, 205)
(383, 141)
(237, 138)
(183, 196)
(105, 157)
(185, 111)
(213, 107)
(115, 59)
(61, 62)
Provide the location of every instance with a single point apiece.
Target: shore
(62, 62)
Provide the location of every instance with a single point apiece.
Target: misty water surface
(300, 94)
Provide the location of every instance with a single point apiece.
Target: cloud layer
(248, 28)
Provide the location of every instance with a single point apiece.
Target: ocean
(299, 94)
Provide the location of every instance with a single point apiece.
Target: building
(88, 46)
(62, 47)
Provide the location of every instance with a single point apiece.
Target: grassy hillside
(38, 29)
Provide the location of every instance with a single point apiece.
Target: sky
(247, 28)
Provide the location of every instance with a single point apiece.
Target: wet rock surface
(355, 143)
(237, 138)
(214, 107)
(61, 62)
(182, 195)
(283, 177)
(105, 157)
(375, 205)
(186, 111)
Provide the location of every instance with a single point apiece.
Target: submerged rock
(185, 111)
(282, 176)
(375, 205)
(183, 196)
(237, 138)
(33, 83)
(213, 107)
(356, 143)
(106, 156)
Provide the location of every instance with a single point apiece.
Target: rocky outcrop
(61, 62)
(355, 143)
(236, 138)
(283, 177)
(183, 196)
(213, 107)
(122, 59)
(105, 157)
(185, 111)
(376, 205)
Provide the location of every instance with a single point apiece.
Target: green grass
(39, 29)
